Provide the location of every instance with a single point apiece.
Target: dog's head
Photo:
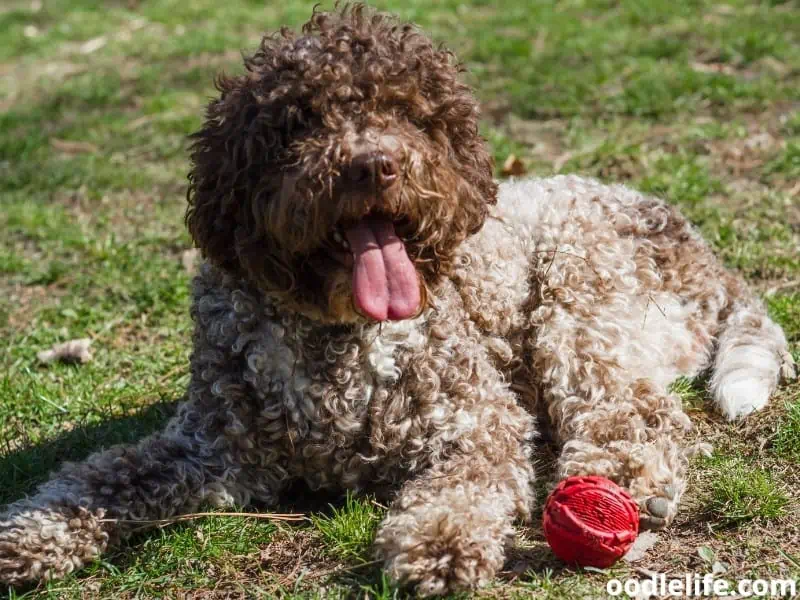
(343, 169)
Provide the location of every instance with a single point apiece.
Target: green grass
(785, 310)
(691, 392)
(697, 101)
(742, 492)
(787, 438)
(349, 530)
(190, 557)
(787, 163)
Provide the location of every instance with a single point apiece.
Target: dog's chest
(319, 392)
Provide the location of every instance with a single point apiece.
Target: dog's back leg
(751, 358)
(610, 424)
(751, 351)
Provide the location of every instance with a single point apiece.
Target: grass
(693, 100)
(349, 530)
(741, 492)
(787, 439)
(690, 391)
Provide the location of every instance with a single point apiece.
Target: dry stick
(379, 505)
(200, 515)
(783, 286)
(785, 555)
(557, 251)
(647, 308)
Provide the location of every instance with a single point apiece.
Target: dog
(376, 313)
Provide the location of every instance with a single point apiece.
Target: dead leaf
(73, 147)
(540, 43)
(561, 160)
(774, 65)
(759, 142)
(73, 351)
(63, 70)
(513, 166)
(643, 543)
(715, 68)
(706, 553)
(93, 45)
(136, 123)
(700, 449)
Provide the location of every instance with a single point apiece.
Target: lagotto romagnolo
(375, 313)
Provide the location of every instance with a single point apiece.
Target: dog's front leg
(449, 527)
(73, 517)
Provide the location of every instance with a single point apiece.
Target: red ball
(590, 521)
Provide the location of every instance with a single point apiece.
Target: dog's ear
(460, 115)
(233, 172)
(473, 154)
(217, 194)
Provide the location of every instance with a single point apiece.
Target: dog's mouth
(385, 282)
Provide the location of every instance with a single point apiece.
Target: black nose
(375, 169)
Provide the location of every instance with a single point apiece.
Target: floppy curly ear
(457, 113)
(473, 153)
(218, 190)
(472, 150)
(234, 167)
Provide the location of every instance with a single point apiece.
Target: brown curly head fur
(266, 186)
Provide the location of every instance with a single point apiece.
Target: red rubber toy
(590, 521)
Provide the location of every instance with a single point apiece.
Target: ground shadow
(22, 469)
(27, 465)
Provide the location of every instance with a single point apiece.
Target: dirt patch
(23, 301)
(294, 556)
(739, 159)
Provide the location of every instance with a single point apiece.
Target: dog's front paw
(439, 547)
(46, 543)
(659, 484)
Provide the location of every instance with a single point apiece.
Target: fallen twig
(202, 515)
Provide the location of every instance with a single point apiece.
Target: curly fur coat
(375, 315)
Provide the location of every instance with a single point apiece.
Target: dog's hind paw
(657, 512)
(788, 367)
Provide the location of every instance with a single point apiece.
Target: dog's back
(632, 267)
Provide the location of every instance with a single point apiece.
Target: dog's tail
(751, 357)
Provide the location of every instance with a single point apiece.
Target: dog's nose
(376, 169)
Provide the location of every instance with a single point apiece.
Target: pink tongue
(385, 284)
